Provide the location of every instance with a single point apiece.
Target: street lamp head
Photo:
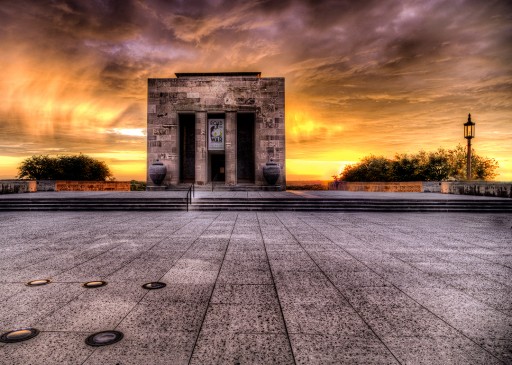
(469, 128)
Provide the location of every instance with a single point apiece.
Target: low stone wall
(46, 185)
(484, 188)
(63, 185)
(431, 186)
(388, 187)
(17, 186)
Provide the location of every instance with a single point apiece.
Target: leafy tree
(422, 166)
(38, 167)
(483, 168)
(65, 167)
(437, 167)
(406, 167)
(457, 162)
(371, 168)
(137, 185)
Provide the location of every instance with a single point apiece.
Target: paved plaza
(258, 287)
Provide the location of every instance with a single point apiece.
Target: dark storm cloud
(80, 67)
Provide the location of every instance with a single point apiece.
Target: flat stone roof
(217, 74)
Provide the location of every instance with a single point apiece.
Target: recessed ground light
(154, 285)
(38, 282)
(19, 335)
(104, 338)
(94, 284)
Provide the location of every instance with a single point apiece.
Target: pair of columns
(201, 156)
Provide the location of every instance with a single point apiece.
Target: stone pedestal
(271, 187)
(155, 188)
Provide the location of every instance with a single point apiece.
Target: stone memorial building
(221, 127)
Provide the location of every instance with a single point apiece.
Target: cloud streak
(361, 77)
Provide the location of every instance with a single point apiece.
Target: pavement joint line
(190, 246)
(78, 236)
(36, 248)
(275, 288)
(444, 321)
(213, 288)
(337, 289)
(392, 260)
(80, 294)
(151, 247)
(441, 242)
(147, 292)
(90, 259)
(50, 313)
(393, 285)
(439, 276)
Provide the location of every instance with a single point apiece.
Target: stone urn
(271, 172)
(157, 172)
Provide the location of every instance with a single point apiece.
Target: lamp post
(469, 133)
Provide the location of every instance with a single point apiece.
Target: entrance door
(187, 148)
(245, 147)
(217, 165)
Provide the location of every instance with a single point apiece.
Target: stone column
(173, 164)
(230, 148)
(201, 149)
(260, 150)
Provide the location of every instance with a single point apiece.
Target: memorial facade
(221, 127)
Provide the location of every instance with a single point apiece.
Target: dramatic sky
(362, 77)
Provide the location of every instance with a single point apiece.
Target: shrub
(422, 166)
(81, 167)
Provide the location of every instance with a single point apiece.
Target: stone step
(93, 204)
(317, 201)
(300, 206)
(222, 187)
(257, 204)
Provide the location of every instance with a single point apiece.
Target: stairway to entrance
(205, 200)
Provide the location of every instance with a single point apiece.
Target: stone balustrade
(17, 186)
(483, 188)
(389, 187)
(31, 186)
(67, 185)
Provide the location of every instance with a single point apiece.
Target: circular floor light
(38, 282)
(94, 284)
(104, 338)
(19, 335)
(154, 285)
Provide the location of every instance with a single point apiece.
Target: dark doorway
(217, 164)
(187, 124)
(245, 147)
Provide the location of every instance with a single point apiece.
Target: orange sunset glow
(362, 77)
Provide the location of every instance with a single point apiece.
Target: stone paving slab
(259, 288)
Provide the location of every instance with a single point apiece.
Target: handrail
(190, 194)
(213, 180)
